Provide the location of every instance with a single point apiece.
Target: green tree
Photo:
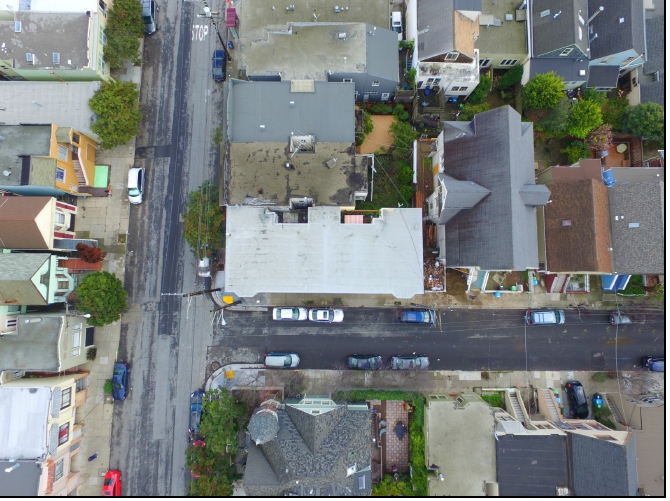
(118, 110)
(646, 120)
(482, 90)
(221, 414)
(214, 472)
(543, 91)
(511, 77)
(576, 150)
(584, 117)
(411, 77)
(102, 295)
(204, 221)
(614, 111)
(555, 121)
(470, 110)
(403, 134)
(595, 96)
(400, 113)
(123, 31)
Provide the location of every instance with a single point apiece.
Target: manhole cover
(215, 366)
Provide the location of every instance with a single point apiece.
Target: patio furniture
(381, 432)
(382, 423)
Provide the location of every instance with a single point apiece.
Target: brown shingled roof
(577, 228)
(19, 228)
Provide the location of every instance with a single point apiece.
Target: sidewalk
(106, 220)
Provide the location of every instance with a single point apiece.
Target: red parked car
(112, 484)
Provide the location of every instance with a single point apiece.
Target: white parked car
(135, 185)
(289, 313)
(326, 315)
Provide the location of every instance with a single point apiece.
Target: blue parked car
(219, 65)
(120, 381)
(418, 316)
(196, 413)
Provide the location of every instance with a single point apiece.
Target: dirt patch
(457, 284)
(380, 135)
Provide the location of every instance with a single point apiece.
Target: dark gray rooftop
(554, 32)
(21, 482)
(381, 54)
(531, 465)
(500, 232)
(655, 28)
(653, 92)
(603, 76)
(459, 195)
(638, 238)
(326, 113)
(438, 17)
(42, 34)
(19, 141)
(570, 70)
(602, 468)
(615, 36)
(263, 426)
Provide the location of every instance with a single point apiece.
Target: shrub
(405, 173)
(107, 388)
(614, 111)
(494, 400)
(599, 377)
(646, 120)
(90, 254)
(368, 125)
(511, 77)
(411, 78)
(403, 134)
(470, 110)
(600, 138)
(118, 110)
(554, 122)
(400, 113)
(407, 192)
(575, 151)
(543, 91)
(481, 91)
(595, 96)
(389, 487)
(381, 109)
(91, 353)
(123, 31)
(584, 117)
(601, 415)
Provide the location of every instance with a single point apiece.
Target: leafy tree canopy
(576, 150)
(478, 95)
(543, 91)
(600, 138)
(118, 111)
(123, 31)
(403, 134)
(221, 415)
(102, 295)
(584, 117)
(511, 77)
(614, 111)
(555, 121)
(204, 221)
(646, 120)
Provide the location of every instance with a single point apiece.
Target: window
(55, 57)
(455, 89)
(59, 218)
(66, 398)
(62, 152)
(76, 339)
(60, 174)
(462, 89)
(581, 19)
(628, 60)
(605, 60)
(386, 96)
(103, 8)
(429, 81)
(58, 473)
(373, 92)
(419, 84)
(75, 138)
(545, 13)
(103, 37)
(63, 433)
(347, 79)
(101, 64)
(566, 52)
(375, 83)
(452, 56)
(580, 32)
(484, 62)
(508, 62)
(29, 58)
(355, 94)
(17, 26)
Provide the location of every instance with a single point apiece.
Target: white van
(396, 23)
(278, 360)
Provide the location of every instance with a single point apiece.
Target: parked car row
(330, 315)
(287, 360)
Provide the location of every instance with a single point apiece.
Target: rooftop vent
(582, 73)
(509, 17)
(633, 225)
(342, 36)
(17, 26)
(621, 20)
(29, 57)
(545, 13)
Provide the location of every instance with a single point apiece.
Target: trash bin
(231, 46)
(497, 294)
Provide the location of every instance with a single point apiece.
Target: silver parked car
(289, 313)
(409, 362)
(325, 315)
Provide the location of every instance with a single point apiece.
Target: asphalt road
(165, 337)
(462, 340)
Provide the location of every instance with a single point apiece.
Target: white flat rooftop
(323, 255)
(24, 413)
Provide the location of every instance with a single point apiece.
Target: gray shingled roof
(603, 76)
(655, 28)
(263, 426)
(602, 468)
(534, 195)
(382, 54)
(459, 195)
(499, 233)
(437, 16)
(553, 33)
(327, 113)
(614, 36)
(653, 92)
(638, 250)
(532, 465)
(568, 69)
(340, 438)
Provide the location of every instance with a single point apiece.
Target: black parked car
(579, 406)
(120, 381)
(196, 413)
(219, 65)
(365, 362)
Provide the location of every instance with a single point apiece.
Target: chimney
(600, 9)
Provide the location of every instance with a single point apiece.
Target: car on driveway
(327, 315)
(364, 362)
(196, 412)
(219, 65)
(120, 381)
(579, 405)
(418, 316)
(281, 360)
(409, 362)
(656, 364)
(111, 484)
(289, 313)
(544, 317)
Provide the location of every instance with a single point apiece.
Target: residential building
(503, 34)
(40, 430)
(335, 52)
(33, 279)
(445, 56)
(309, 446)
(323, 253)
(292, 144)
(46, 103)
(616, 37)
(43, 342)
(37, 223)
(49, 160)
(652, 77)
(56, 41)
(645, 416)
(485, 197)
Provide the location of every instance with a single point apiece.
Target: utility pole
(209, 15)
(188, 294)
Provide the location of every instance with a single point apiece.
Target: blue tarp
(613, 283)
